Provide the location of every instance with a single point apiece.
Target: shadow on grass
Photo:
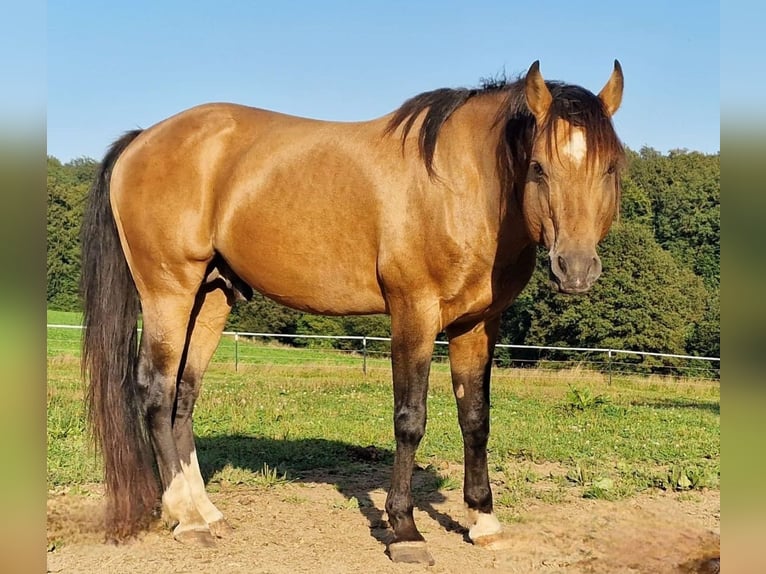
(680, 403)
(355, 471)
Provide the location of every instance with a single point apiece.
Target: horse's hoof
(486, 531)
(498, 541)
(410, 552)
(220, 528)
(195, 537)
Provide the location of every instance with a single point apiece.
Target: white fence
(366, 352)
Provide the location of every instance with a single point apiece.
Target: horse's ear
(611, 94)
(538, 95)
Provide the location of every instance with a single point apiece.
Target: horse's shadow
(355, 471)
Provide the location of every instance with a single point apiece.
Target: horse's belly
(313, 277)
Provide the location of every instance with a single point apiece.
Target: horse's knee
(410, 425)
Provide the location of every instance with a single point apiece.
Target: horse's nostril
(562, 264)
(594, 269)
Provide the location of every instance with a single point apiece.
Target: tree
(685, 193)
(67, 187)
(636, 203)
(706, 337)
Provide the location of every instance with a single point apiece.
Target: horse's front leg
(411, 349)
(470, 353)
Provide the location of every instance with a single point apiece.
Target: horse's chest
(490, 292)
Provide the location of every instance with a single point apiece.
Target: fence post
(609, 363)
(236, 352)
(364, 355)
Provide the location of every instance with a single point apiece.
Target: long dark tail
(109, 362)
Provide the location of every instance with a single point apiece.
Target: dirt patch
(321, 527)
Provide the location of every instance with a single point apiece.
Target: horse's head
(572, 189)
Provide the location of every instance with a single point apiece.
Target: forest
(659, 291)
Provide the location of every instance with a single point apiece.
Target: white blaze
(575, 148)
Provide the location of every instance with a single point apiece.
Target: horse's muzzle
(575, 271)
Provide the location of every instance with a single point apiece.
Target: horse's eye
(611, 169)
(537, 170)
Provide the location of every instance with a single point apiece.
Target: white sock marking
(197, 486)
(482, 524)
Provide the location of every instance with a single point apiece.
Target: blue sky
(135, 63)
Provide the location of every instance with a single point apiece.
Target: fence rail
(239, 348)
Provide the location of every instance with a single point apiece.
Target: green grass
(295, 414)
(64, 318)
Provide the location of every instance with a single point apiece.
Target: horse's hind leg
(167, 308)
(208, 320)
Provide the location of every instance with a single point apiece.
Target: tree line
(659, 291)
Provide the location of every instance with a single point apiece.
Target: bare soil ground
(319, 527)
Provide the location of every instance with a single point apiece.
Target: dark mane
(572, 103)
(439, 106)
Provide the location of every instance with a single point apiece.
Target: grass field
(64, 318)
(553, 434)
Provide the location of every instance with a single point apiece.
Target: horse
(432, 214)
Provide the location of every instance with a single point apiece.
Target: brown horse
(431, 214)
